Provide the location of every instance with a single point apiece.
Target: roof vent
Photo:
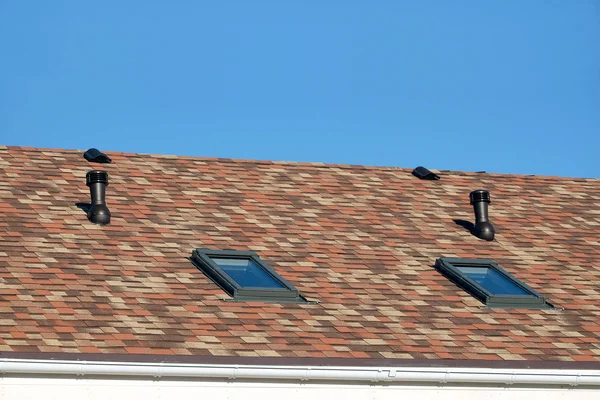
(424, 173)
(95, 155)
(97, 182)
(483, 227)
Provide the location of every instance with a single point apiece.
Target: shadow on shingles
(469, 226)
(85, 207)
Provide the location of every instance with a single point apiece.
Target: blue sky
(501, 86)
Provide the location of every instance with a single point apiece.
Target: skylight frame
(202, 258)
(449, 267)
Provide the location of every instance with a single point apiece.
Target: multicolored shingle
(362, 241)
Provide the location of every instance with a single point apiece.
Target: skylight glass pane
(491, 280)
(247, 273)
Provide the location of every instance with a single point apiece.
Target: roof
(362, 241)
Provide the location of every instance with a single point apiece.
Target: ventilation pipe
(483, 227)
(97, 182)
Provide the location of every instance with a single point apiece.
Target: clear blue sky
(501, 86)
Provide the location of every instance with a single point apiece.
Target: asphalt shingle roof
(362, 241)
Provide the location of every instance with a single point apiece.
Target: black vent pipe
(483, 227)
(97, 182)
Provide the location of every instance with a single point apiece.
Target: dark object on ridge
(97, 182)
(483, 227)
(424, 173)
(95, 155)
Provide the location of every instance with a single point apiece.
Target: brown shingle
(360, 240)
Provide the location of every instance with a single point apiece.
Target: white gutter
(424, 375)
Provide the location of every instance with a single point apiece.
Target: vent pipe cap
(96, 177)
(477, 196)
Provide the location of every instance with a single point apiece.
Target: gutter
(425, 375)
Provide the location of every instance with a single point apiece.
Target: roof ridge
(317, 164)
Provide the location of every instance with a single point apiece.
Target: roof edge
(494, 377)
(303, 361)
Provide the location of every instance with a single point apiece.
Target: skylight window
(247, 273)
(493, 286)
(244, 276)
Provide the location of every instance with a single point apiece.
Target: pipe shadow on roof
(85, 207)
(467, 225)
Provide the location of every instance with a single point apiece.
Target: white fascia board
(273, 373)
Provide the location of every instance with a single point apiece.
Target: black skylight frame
(287, 293)
(531, 300)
